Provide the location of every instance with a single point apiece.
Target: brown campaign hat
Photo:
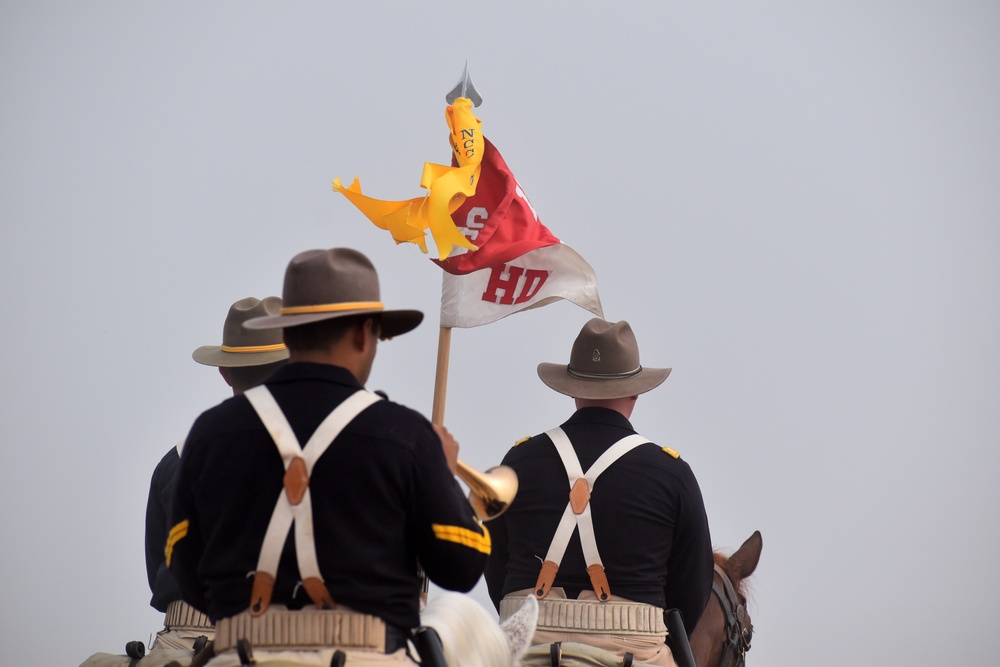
(604, 363)
(324, 284)
(242, 346)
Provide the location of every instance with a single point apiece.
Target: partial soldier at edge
(244, 359)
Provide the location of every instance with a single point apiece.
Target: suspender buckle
(545, 578)
(599, 580)
(260, 595)
(317, 592)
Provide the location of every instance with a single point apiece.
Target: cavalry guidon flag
(519, 263)
(498, 258)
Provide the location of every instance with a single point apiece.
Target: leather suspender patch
(579, 495)
(296, 480)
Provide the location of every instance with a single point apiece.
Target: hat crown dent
(604, 364)
(241, 344)
(234, 334)
(604, 348)
(322, 277)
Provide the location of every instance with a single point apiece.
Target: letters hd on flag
(520, 264)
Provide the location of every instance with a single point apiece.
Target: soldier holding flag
(303, 506)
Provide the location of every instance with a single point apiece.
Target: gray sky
(796, 206)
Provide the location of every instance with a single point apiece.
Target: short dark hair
(321, 335)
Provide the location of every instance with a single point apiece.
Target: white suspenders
(577, 514)
(294, 504)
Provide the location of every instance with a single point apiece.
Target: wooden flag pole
(441, 376)
(490, 492)
(437, 417)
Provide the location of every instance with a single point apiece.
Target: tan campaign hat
(604, 363)
(324, 284)
(242, 346)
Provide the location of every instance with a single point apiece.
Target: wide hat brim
(394, 322)
(328, 284)
(241, 347)
(558, 377)
(603, 364)
(214, 355)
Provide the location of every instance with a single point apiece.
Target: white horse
(471, 636)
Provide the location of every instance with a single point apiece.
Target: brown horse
(722, 636)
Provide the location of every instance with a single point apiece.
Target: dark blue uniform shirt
(649, 520)
(382, 499)
(161, 488)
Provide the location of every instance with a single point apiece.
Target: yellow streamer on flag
(447, 188)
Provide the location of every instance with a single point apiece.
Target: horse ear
(520, 628)
(742, 563)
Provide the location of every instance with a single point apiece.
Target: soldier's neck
(624, 406)
(331, 357)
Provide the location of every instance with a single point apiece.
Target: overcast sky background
(796, 206)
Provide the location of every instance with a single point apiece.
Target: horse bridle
(737, 641)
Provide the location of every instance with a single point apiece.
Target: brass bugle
(490, 492)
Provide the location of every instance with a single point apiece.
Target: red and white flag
(520, 264)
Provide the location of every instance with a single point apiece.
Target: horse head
(722, 636)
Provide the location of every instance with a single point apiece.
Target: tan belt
(306, 629)
(592, 616)
(182, 616)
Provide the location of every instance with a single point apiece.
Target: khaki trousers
(646, 648)
(182, 640)
(182, 626)
(159, 658)
(321, 658)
